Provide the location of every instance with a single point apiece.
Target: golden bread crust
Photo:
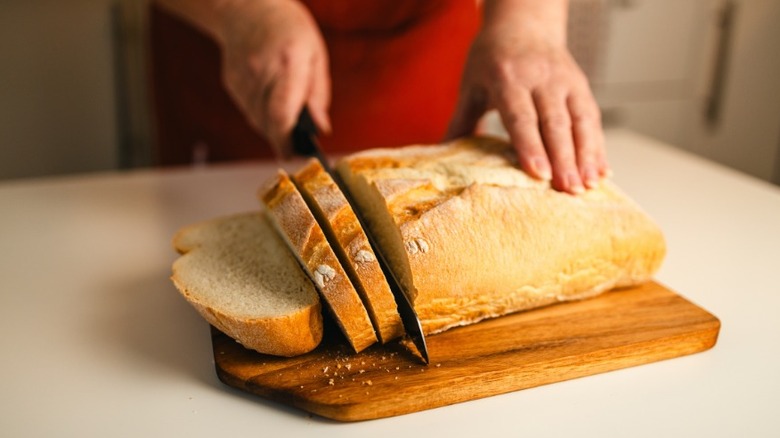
(479, 238)
(296, 223)
(355, 253)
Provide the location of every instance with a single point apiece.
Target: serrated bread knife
(304, 142)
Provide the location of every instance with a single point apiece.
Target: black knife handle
(303, 134)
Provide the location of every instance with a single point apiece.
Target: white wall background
(59, 101)
(57, 97)
(661, 58)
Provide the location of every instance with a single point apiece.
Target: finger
(555, 125)
(472, 104)
(282, 103)
(248, 90)
(520, 119)
(604, 169)
(588, 138)
(319, 94)
(234, 79)
(251, 103)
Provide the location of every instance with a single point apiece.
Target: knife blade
(304, 142)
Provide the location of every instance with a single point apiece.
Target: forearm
(209, 15)
(537, 21)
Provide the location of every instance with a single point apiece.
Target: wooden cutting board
(615, 330)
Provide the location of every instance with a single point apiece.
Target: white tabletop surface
(97, 342)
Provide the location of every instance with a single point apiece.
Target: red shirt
(395, 68)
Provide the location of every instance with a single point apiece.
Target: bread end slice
(239, 275)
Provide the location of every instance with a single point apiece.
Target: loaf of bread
(238, 274)
(349, 241)
(473, 237)
(295, 222)
(469, 235)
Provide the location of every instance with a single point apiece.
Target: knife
(304, 142)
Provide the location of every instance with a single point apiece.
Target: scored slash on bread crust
(238, 274)
(296, 224)
(351, 244)
(473, 237)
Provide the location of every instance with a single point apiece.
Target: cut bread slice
(296, 224)
(349, 241)
(240, 276)
(472, 237)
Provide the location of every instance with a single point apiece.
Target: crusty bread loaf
(296, 224)
(238, 274)
(351, 245)
(473, 237)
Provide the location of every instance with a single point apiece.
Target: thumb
(319, 95)
(472, 104)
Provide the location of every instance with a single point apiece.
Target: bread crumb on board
(339, 366)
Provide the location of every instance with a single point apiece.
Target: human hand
(275, 62)
(545, 104)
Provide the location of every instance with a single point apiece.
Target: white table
(97, 341)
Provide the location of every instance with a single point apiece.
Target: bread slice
(349, 241)
(240, 276)
(296, 224)
(472, 237)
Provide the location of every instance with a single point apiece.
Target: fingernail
(591, 178)
(327, 128)
(541, 168)
(575, 186)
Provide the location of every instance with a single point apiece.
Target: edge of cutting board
(615, 330)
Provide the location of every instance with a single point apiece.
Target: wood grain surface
(615, 330)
